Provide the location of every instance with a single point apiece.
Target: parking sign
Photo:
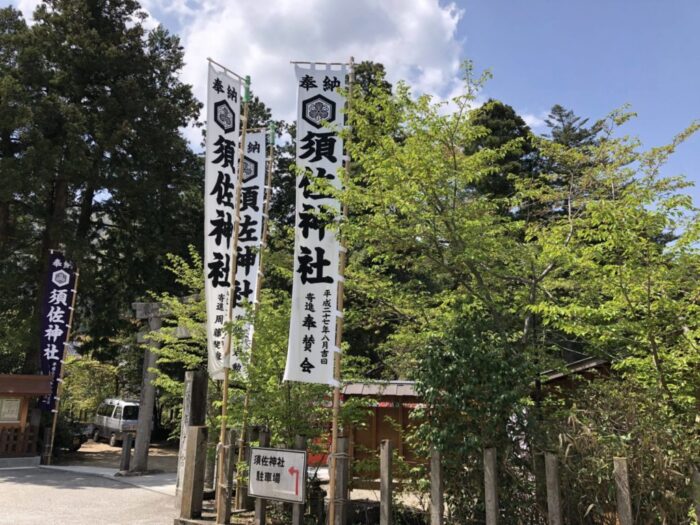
(278, 474)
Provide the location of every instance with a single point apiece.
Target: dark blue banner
(55, 316)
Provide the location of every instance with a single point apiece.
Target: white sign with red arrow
(278, 474)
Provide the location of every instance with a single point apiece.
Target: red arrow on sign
(295, 472)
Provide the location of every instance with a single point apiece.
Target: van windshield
(131, 412)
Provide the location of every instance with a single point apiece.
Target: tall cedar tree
(94, 158)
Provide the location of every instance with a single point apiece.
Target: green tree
(95, 160)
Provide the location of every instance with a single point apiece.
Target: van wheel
(113, 440)
(96, 436)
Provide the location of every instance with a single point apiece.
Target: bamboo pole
(339, 336)
(258, 287)
(59, 388)
(221, 481)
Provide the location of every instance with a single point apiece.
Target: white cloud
(414, 39)
(536, 122)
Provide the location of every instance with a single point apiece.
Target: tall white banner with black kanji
(221, 163)
(249, 239)
(319, 155)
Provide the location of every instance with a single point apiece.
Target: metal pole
(339, 335)
(59, 388)
(258, 287)
(220, 485)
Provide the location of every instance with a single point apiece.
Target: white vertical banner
(249, 237)
(221, 162)
(319, 155)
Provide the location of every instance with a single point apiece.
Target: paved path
(84, 496)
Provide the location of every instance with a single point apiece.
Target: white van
(115, 418)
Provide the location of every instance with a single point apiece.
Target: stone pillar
(150, 311)
(194, 413)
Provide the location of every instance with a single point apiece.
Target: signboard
(278, 474)
(9, 409)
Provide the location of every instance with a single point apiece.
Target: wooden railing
(15, 442)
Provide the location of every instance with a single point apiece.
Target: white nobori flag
(221, 165)
(319, 155)
(249, 237)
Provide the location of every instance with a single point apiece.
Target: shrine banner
(319, 155)
(55, 316)
(249, 237)
(221, 163)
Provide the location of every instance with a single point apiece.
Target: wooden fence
(15, 442)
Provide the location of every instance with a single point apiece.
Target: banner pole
(59, 388)
(339, 332)
(221, 492)
(258, 287)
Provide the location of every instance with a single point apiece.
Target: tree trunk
(57, 203)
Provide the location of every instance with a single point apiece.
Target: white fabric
(249, 235)
(221, 165)
(319, 154)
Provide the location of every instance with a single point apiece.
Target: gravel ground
(52, 497)
(102, 455)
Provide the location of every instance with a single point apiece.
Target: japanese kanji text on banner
(319, 155)
(55, 316)
(249, 232)
(221, 163)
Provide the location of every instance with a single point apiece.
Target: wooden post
(193, 476)
(551, 464)
(298, 508)
(622, 485)
(260, 503)
(150, 311)
(220, 488)
(229, 452)
(340, 323)
(385, 479)
(436, 488)
(696, 492)
(194, 412)
(341, 486)
(240, 497)
(490, 486)
(126, 452)
(59, 387)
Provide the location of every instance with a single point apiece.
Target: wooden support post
(229, 451)
(622, 486)
(341, 482)
(150, 311)
(385, 479)
(340, 324)
(193, 476)
(298, 508)
(260, 503)
(436, 488)
(551, 464)
(47, 447)
(696, 492)
(234, 268)
(126, 452)
(194, 412)
(490, 486)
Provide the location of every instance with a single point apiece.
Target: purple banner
(55, 316)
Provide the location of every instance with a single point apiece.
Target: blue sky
(591, 56)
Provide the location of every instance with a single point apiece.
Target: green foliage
(610, 418)
(86, 384)
(83, 89)
(598, 254)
